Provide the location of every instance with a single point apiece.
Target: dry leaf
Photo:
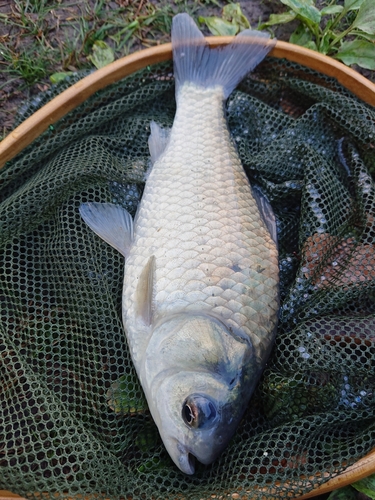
(349, 262)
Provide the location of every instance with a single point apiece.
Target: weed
(132, 25)
(42, 38)
(346, 32)
(32, 66)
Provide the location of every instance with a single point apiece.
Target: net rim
(75, 95)
(50, 113)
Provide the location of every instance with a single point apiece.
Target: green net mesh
(72, 416)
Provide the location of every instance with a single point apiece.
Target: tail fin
(194, 61)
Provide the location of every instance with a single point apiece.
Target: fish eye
(199, 412)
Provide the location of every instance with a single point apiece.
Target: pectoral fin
(145, 292)
(111, 222)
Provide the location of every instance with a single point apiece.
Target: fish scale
(199, 219)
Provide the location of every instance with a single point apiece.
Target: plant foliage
(343, 30)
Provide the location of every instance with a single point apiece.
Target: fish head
(200, 378)
(198, 418)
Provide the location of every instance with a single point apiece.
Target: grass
(61, 34)
(42, 37)
(39, 38)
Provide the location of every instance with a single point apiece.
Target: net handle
(75, 95)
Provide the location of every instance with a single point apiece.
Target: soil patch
(52, 37)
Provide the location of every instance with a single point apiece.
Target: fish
(201, 283)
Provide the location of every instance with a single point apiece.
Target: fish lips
(185, 461)
(185, 458)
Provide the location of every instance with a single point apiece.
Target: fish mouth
(186, 463)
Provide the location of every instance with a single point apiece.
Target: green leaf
(352, 4)
(324, 43)
(102, 54)
(146, 435)
(59, 77)
(366, 486)
(232, 12)
(365, 36)
(154, 464)
(305, 9)
(301, 36)
(219, 27)
(357, 52)
(365, 19)
(332, 9)
(311, 45)
(283, 18)
(233, 21)
(124, 397)
(346, 493)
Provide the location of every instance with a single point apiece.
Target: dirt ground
(58, 24)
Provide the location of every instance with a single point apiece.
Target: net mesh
(72, 414)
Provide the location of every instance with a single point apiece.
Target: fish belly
(198, 218)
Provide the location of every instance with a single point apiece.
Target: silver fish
(200, 296)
